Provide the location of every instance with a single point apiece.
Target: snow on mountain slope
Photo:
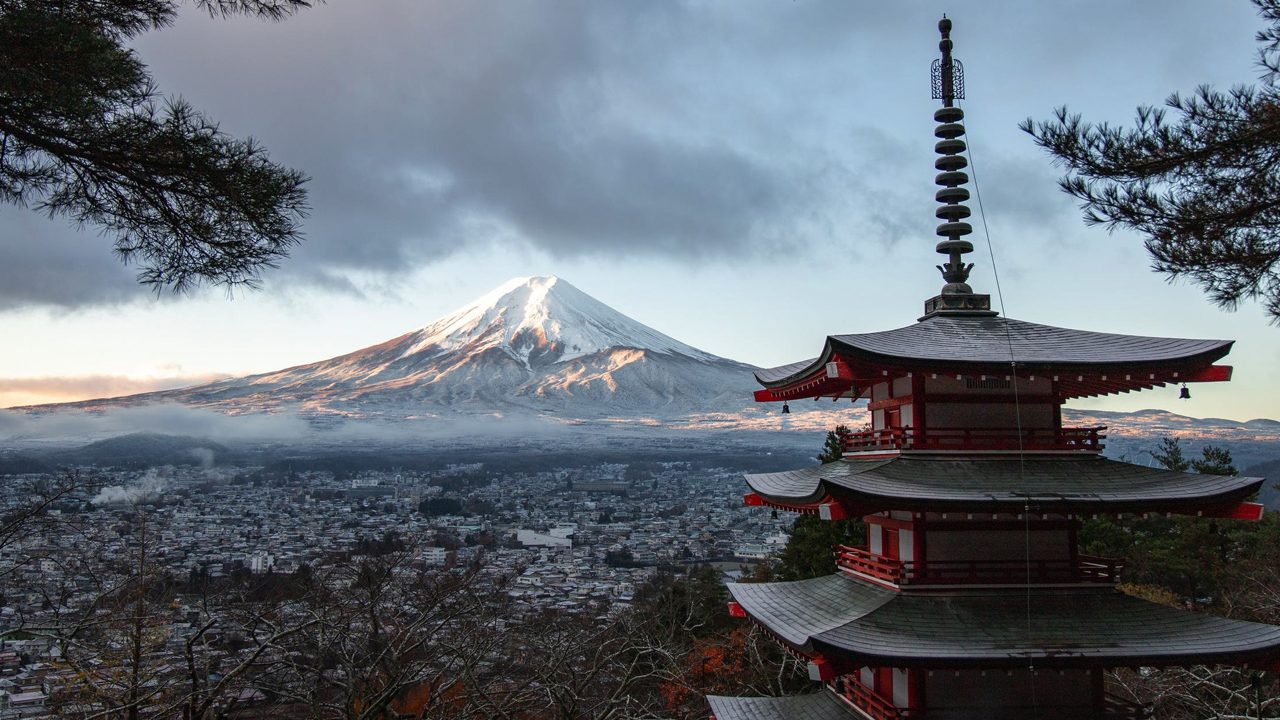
(543, 318)
(534, 344)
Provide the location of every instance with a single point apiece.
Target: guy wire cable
(1017, 412)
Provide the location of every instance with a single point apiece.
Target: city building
(971, 598)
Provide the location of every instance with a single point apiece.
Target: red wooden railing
(1085, 439)
(880, 708)
(1085, 569)
(865, 562)
(869, 702)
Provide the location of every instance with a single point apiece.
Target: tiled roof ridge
(821, 705)
(910, 480)
(836, 613)
(986, 340)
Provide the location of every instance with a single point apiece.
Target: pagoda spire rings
(948, 85)
(953, 211)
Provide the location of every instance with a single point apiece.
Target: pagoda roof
(977, 343)
(812, 706)
(848, 621)
(1046, 483)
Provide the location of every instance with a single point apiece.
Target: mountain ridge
(537, 348)
(532, 345)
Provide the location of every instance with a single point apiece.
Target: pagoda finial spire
(947, 65)
(948, 85)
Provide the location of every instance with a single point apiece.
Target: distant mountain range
(1133, 435)
(538, 353)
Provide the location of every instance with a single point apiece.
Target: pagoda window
(891, 538)
(906, 545)
(1013, 546)
(1052, 693)
(901, 687)
(979, 416)
(989, 402)
(892, 419)
(891, 404)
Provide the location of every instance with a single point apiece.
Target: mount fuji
(534, 345)
(530, 359)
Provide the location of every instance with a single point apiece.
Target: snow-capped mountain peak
(533, 345)
(543, 320)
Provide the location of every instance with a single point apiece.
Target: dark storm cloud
(427, 127)
(1019, 190)
(692, 131)
(49, 262)
(509, 122)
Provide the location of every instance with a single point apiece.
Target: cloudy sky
(745, 176)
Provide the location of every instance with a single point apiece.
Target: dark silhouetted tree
(1169, 454)
(1214, 461)
(833, 446)
(810, 549)
(1188, 556)
(86, 134)
(1199, 180)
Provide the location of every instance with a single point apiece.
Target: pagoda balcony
(1085, 569)
(1080, 439)
(877, 707)
(1113, 708)
(870, 702)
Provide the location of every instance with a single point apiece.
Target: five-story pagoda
(970, 598)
